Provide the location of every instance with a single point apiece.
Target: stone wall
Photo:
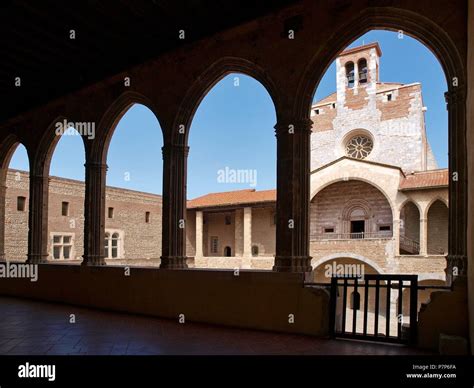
(140, 240)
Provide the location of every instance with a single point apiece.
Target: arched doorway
(409, 229)
(437, 232)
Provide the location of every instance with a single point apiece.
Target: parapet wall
(254, 299)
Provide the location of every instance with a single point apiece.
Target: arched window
(350, 74)
(112, 245)
(227, 252)
(255, 250)
(362, 65)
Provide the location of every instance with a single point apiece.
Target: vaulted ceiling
(110, 36)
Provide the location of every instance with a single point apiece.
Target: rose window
(359, 147)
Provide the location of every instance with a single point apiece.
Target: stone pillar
(396, 237)
(247, 232)
(457, 243)
(38, 219)
(94, 214)
(3, 191)
(175, 157)
(199, 233)
(423, 237)
(293, 185)
(239, 232)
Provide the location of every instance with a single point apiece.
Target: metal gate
(375, 308)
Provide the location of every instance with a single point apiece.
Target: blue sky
(233, 128)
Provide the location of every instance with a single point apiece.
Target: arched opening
(350, 77)
(348, 210)
(66, 197)
(363, 70)
(437, 220)
(409, 229)
(16, 180)
(407, 148)
(133, 200)
(232, 175)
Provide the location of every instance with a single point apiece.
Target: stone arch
(410, 227)
(365, 180)
(206, 81)
(437, 233)
(421, 28)
(41, 160)
(432, 201)
(111, 118)
(436, 39)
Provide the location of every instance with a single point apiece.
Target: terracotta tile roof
(361, 48)
(237, 197)
(425, 179)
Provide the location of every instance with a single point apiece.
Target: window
(111, 212)
(214, 244)
(21, 204)
(362, 65)
(328, 230)
(65, 208)
(316, 111)
(228, 220)
(112, 245)
(147, 217)
(359, 147)
(389, 97)
(227, 252)
(62, 247)
(384, 228)
(333, 105)
(350, 74)
(255, 250)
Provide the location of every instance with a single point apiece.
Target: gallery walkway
(37, 328)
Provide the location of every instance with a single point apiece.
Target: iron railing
(351, 236)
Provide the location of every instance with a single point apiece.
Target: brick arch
(206, 81)
(413, 24)
(110, 119)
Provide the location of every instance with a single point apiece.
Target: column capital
(457, 94)
(179, 149)
(297, 125)
(96, 166)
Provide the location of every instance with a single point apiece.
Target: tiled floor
(37, 328)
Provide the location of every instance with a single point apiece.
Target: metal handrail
(350, 236)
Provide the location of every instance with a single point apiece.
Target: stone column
(396, 237)
(199, 233)
(94, 214)
(3, 191)
(239, 232)
(457, 243)
(175, 157)
(423, 237)
(247, 232)
(38, 219)
(293, 185)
